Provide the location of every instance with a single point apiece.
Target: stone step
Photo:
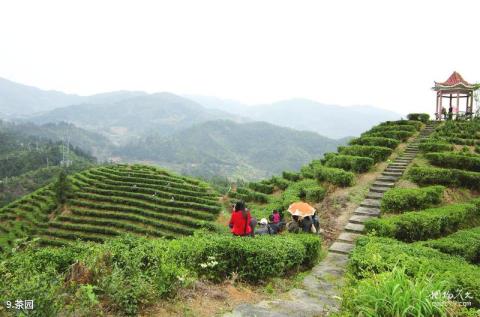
(394, 169)
(354, 227)
(360, 219)
(378, 189)
(341, 247)
(370, 203)
(367, 211)
(348, 237)
(383, 184)
(398, 164)
(392, 173)
(374, 195)
(387, 178)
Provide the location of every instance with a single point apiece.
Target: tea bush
(454, 160)
(336, 176)
(373, 255)
(391, 134)
(402, 199)
(262, 188)
(426, 224)
(377, 141)
(216, 257)
(423, 117)
(377, 153)
(291, 176)
(358, 164)
(432, 146)
(443, 176)
(307, 189)
(464, 243)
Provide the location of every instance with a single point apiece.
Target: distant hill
(249, 150)
(27, 162)
(17, 99)
(160, 113)
(307, 115)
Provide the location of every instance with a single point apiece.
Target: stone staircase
(321, 289)
(370, 207)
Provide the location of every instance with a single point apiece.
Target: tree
(62, 188)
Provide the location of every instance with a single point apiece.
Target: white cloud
(381, 53)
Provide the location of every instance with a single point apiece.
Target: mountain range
(241, 150)
(198, 135)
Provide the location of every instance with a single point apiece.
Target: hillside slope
(107, 201)
(29, 160)
(19, 99)
(249, 150)
(162, 113)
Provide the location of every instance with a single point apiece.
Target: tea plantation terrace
(111, 200)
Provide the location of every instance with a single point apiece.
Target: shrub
(402, 199)
(464, 243)
(391, 134)
(416, 124)
(262, 188)
(454, 160)
(358, 164)
(377, 153)
(291, 176)
(248, 195)
(377, 141)
(334, 175)
(373, 255)
(432, 146)
(423, 117)
(307, 189)
(426, 224)
(443, 176)
(216, 257)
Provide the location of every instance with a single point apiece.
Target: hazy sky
(378, 53)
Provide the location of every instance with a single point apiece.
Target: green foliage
(377, 153)
(402, 199)
(434, 146)
(443, 176)
(423, 117)
(373, 255)
(427, 224)
(464, 243)
(377, 141)
(216, 257)
(247, 195)
(469, 162)
(307, 189)
(279, 182)
(63, 188)
(336, 176)
(395, 293)
(262, 188)
(391, 134)
(291, 176)
(357, 164)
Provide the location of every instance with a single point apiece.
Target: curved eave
(453, 87)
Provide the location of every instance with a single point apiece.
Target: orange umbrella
(301, 209)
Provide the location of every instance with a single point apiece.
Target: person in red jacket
(240, 221)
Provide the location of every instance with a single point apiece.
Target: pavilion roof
(455, 81)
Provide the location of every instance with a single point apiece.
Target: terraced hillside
(110, 200)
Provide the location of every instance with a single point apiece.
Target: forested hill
(239, 150)
(28, 162)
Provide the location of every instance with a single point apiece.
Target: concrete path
(321, 291)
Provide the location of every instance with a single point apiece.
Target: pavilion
(454, 89)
